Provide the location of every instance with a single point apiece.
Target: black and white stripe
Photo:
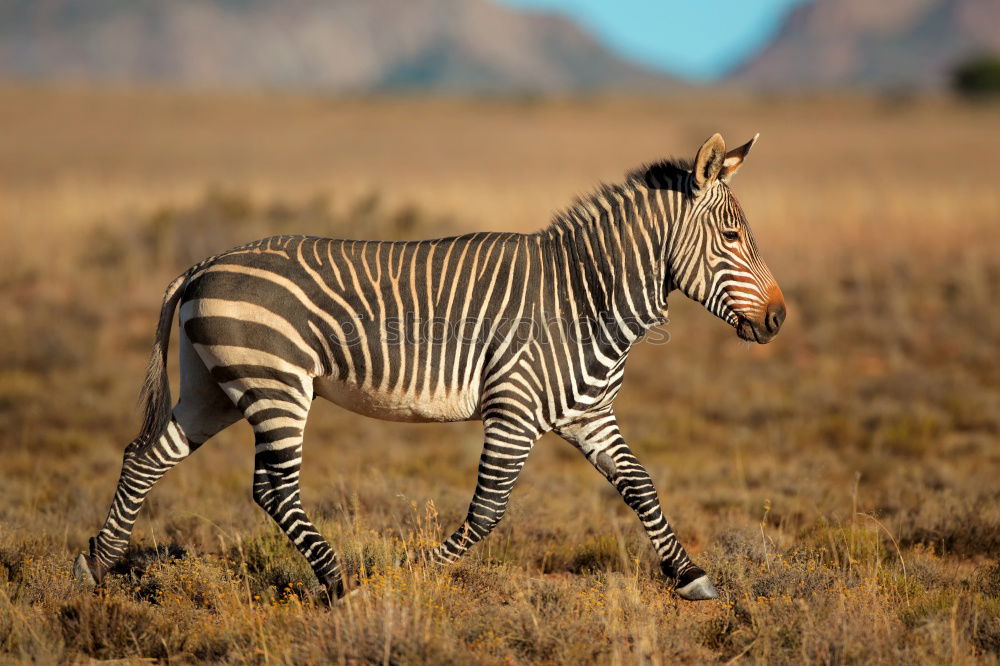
(526, 332)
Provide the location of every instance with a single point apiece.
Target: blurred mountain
(347, 45)
(874, 43)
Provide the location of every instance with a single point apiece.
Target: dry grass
(839, 484)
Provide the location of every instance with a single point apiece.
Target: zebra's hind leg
(202, 411)
(278, 417)
(276, 490)
(597, 436)
(143, 465)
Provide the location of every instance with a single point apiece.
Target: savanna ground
(840, 484)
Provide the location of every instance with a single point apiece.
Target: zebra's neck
(610, 250)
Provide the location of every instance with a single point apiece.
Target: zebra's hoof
(356, 594)
(699, 589)
(82, 573)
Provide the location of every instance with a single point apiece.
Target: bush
(978, 77)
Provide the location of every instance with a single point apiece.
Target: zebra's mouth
(745, 330)
(763, 329)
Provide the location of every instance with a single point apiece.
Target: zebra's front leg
(597, 436)
(506, 447)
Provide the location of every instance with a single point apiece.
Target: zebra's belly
(461, 405)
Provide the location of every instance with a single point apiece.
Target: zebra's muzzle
(763, 331)
(746, 330)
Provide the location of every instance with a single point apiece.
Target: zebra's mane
(655, 175)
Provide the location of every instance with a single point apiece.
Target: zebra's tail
(155, 394)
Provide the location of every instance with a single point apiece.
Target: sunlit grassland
(839, 484)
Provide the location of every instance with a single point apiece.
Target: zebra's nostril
(775, 316)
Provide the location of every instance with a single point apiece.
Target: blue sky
(697, 39)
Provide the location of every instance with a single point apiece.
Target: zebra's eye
(731, 235)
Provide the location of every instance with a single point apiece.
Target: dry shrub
(112, 628)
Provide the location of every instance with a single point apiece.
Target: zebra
(528, 333)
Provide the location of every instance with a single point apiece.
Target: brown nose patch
(774, 294)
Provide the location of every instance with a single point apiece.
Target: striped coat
(528, 333)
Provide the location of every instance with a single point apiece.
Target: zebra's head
(714, 259)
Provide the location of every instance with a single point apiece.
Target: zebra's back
(394, 330)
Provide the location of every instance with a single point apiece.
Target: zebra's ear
(734, 159)
(708, 163)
